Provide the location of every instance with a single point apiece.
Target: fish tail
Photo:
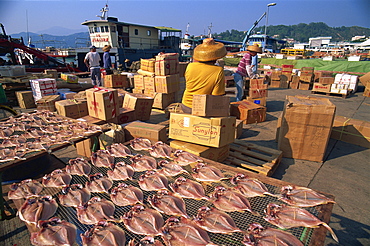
(331, 231)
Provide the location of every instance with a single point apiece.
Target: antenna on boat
(187, 35)
(104, 12)
(210, 31)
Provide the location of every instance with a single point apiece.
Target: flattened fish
(57, 178)
(229, 200)
(205, 173)
(139, 144)
(124, 195)
(170, 168)
(153, 181)
(188, 188)
(104, 234)
(258, 235)
(168, 203)
(78, 166)
(95, 210)
(74, 195)
(99, 183)
(249, 187)
(146, 241)
(37, 208)
(119, 150)
(160, 150)
(184, 232)
(54, 232)
(215, 221)
(121, 171)
(286, 217)
(102, 158)
(303, 197)
(143, 221)
(184, 158)
(26, 188)
(142, 163)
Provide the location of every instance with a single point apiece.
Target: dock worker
(203, 76)
(107, 61)
(92, 62)
(245, 69)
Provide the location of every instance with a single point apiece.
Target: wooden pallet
(253, 157)
(332, 93)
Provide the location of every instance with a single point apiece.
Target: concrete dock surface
(344, 172)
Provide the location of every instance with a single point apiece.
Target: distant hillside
(301, 32)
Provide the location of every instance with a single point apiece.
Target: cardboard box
(69, 78)
(102, 103)
(321, 87)
(366, 92)
(149, 83)
(167, 64)
(208, 131)
(309, 69)
(92, 120)
(211, 153)
(305, 127)
(248, 112)
(294, 83)
(275, 83)
(306, 78)
(25, 99)
(304, 85)
(141, 103)
(116, 81)
(147, 65)
(47, 103)
(287, 68)
(319, 74)
(287, 76)
(256, 93)
(153, 132)
(84, 147)
(139, 82)
(162, 100)
(125, 115)
(260, 100)
(257, 84)
(72, 108)
(275, 75)
(43, 87)
(351, 131)
(365, 79)
(138, 91)
(326, 80)
(211, 106)
(239, 128)
(284, 81)
(167, 84)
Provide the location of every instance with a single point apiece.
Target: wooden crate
(253, 157)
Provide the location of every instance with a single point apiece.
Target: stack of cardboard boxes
(274, 78)
(116, 81)
(286, 75)
(306, 78)
(344, 84)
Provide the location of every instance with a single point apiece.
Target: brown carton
(326, 80)
(321, 87)
(116, 80)
(153, 132)
(351, 131)
(167, 64)
(248, 112)
(211, 106)
(304, 85)
(72, 108)
(84, 147)
(147, 64)
(47, 103)
(294, 82)
(141, 103)
(306, 78)
(162, 100)
(25, 99)
(149, 83)
(210, 131)
(167, 84)
(257, 84)
(365, 79)
(275, 83)
(139, 82)
(366, 92)
(256, 93)
(102, 103)
(238, 128)
(125, 115)
(287, 68)
(319, 74)
(275, 75)
(305, 127)
(260, 100)
(211, 153)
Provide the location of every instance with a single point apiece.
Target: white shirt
(93, 58)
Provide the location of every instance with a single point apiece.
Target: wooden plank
(249, 153)
(246, 165)
(258, 147)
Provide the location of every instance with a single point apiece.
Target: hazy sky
(224, 15)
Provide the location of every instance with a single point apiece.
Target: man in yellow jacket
(202, 76)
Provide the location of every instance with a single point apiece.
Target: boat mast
(104, 12)
(210, 31)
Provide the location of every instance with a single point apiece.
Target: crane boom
(249, 32)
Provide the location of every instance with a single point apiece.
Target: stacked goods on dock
(365, 80)
(306, 78)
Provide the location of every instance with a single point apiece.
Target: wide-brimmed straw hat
(209, 50)
(255, 48)
(107, 48)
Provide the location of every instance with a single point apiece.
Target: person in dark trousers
(107, 61)
(92, 62)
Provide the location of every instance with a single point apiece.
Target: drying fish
(249, 187)
(74, 195)
(184, 232)
(142, 163)
(54, 232)
(104, 234)
(57, 178)
(102, 158)
(206, 173)
(121, 171)
(187, 188)
(230, 200)
(37, 208)
(303, 197)
(119, 150)
(170, 168)
(184, 158)
(215, 221)
(286, 217)
(99, 183)
(25, 189)
(139, 144)
(152, 181)
(168, 203)
(143, 221)
(78, 166)
(146, 241)
(9, 155)
(124, 195)
(160, 150)
(258, 235)
(95, 210)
